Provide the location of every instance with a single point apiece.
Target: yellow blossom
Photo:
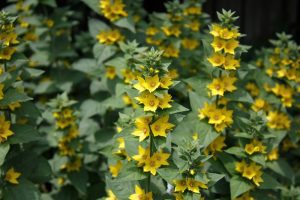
(12, 176)
(115, 169)
(5, 131)
(216, 59)
(161, 126)
(140, 194)
(110, 72)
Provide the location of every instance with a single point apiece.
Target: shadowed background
(259, 19)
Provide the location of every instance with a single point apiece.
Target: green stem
(151, 152)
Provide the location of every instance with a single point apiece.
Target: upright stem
(218, 96)
(151, 152)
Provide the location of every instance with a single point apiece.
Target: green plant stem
(151, 152)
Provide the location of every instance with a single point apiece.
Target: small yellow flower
(230, 46)
(216, 59)
(140, 194)
(5, 131)
(161, 126)
(110, 72)
(218, 44)
(115, 169)
(12, 176)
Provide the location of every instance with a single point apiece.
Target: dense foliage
(125, 104)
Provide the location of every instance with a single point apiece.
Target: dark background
(259, 19)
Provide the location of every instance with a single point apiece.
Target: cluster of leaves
(102, 100)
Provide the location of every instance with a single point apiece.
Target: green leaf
(269, 182)
(196, 101)
(259, 158)
(95, 26)
(79, 180)
(282, 168)
(130, 172)
(228, 162)
(4, 148)
(238, 151)
(103, 52)
(240, 96)
(66, 193)
(25, 190)
(239, 186)
(87, 65)
(214, 178)
(93, 4)
(126, 23)
(23, 134)
(169, 173)
(12, 96)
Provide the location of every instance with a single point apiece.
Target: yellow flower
(150, 101)
(151, 31)
(13, 106)
(166, 82)
(226, 34)
(216, 146)
(6, 53)
(110, 37)
(215, 30)
(230, 46)
(12, 176)
(1, 91)
(193, 10)
(110, 72)
(5, 131)
(194, 185)
(113, 10)
(277, 120)
(245, 196)
(216, 59)
(259, 104)
(190, 44)
(140, 194)
(253, 89)
(151, 83)
(161, 158)
(273, 155)
(151, 165)
(207, 110)
(170, 51)
(218, 44)
(164, 101)
(228, 82)
(161, 126)
(217, 87)
(239, 166)
(142, 127)
(194, 25)
(142, 156)
(115, 169)
(73, 165)
(180, 185)
(111, 195)
(171, 30)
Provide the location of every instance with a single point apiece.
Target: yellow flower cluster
(151, 163)
(255, 146)
(64, 118)
(278, 120)
(159, 128)
(68, 145)
(113, 10)
(222, 84)
(219, 117)
(285, 92)
(189, 184)
(110, 37)
(5, 131)
(224, 44)
(147, 86)
(245, 196)
(250, 171)
(8, 38)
